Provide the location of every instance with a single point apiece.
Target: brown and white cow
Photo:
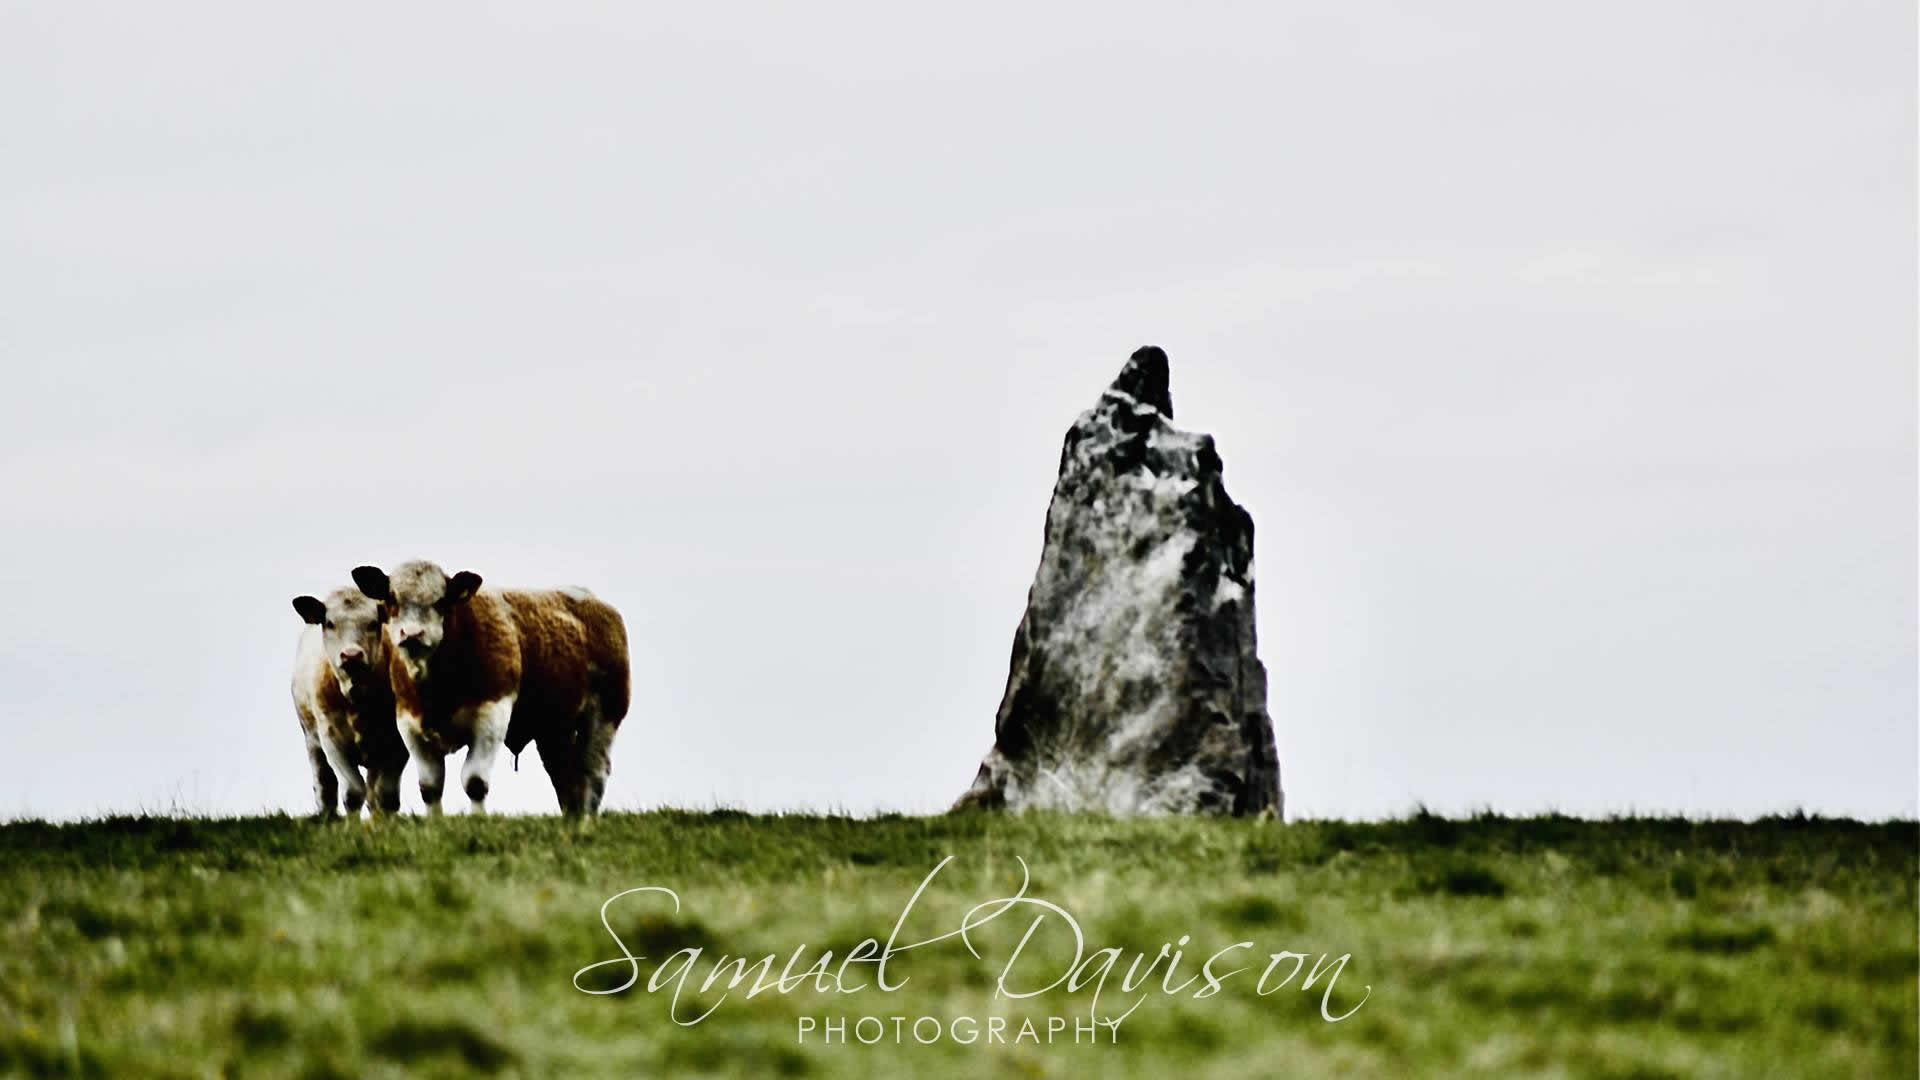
(487, 668)
(344, 699)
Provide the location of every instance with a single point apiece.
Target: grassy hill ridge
(1515, 946)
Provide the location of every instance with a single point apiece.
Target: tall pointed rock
(1135, 686)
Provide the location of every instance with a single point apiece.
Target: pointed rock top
(1144, 379)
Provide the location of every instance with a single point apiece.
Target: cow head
(417, 598)
(349, 625)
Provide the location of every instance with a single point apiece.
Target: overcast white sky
(1563, 354)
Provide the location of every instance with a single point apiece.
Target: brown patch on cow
(551, 649)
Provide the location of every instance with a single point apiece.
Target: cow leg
(429, 766)
(326, 789)
(489, 732)
(559, 758)
(596, 756)
(355, 795)
(384, 783)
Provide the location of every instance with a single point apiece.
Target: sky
(1564, 356)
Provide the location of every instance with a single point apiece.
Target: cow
(487, 668)
(343, 696)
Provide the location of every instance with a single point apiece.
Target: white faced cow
(343, 697)
(486, 668)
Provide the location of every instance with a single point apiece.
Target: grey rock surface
(1135, 685)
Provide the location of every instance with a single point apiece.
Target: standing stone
(1135, 686)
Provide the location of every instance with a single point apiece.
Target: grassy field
(1544, 946)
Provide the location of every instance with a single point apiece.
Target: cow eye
(326, 624)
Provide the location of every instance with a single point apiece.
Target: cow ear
(461, 586)
(372, 581)
(310, 609)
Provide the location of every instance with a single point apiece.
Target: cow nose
(351, 654)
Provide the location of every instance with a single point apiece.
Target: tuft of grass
(412, 1041)
(1458, 877)
(1472, 881)
(1724, 940)
(1261, 911)
(258, 1029)
(1684, 883)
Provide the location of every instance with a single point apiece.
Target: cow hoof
(477, 789)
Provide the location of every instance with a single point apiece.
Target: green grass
(1492, 946)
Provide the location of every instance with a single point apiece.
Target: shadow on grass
(1722, 940)
(413, 1041)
